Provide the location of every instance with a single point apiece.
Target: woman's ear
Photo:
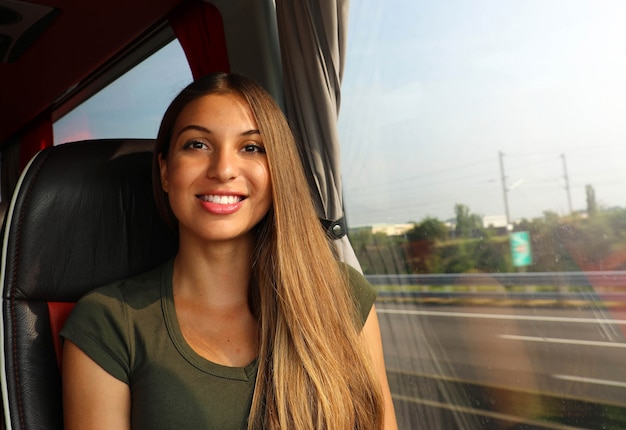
(163, 171)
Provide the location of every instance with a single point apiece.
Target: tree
(551, 218)
(467, 224)
(430, 229)
(592, 205)
(421, 243)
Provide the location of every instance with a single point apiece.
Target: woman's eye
(254, 147)
(195, 144)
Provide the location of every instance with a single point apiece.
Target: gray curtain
(312, 36)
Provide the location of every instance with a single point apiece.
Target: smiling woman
(215, 171)
(254, 322)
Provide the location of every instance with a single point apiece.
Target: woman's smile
(216, 174)
(221, 204)
(220, 200)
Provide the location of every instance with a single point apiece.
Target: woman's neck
(210, 286)
(217, 275)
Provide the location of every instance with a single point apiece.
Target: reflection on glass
(483, 163)
(132, 106)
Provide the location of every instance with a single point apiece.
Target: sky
(435, 94)
(133, 105)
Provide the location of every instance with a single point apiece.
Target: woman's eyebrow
(193, 127)
(206, 130)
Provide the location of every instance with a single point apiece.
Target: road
(503, 367)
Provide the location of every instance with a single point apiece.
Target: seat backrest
(82, 215)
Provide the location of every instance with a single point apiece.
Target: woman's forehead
(217, 110)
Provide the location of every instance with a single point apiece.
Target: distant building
(497, 221)
(392, 229)
(388, 229)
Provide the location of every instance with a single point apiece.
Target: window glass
(131, 106)
(483, 164)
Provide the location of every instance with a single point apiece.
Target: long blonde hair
(314, 371)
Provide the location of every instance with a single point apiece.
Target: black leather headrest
(82, 217)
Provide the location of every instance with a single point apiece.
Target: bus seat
(82, 215)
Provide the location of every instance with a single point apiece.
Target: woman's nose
(223, 165)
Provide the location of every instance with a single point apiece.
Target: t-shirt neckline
(176, 335)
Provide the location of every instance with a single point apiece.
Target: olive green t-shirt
(130, 329)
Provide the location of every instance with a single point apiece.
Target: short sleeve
(363, 292)
(98, 326)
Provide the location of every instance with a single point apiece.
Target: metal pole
(504, 190)
(569, 196)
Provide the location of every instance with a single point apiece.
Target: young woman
(253, 324)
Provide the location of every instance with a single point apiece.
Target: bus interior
(467, 156)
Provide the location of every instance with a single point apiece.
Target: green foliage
(467, 224)
(378, 253)
(558, 243)
(430, 229)
(485, 254)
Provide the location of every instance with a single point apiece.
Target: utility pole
(504, 190)
(569, 196)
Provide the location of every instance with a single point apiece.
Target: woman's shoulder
(132, 290)
(363, 293)
(102, 321)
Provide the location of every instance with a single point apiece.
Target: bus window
(131, 106)
(483, 167)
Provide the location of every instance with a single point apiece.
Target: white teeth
(222, 200)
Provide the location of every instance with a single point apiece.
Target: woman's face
(216, 174)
